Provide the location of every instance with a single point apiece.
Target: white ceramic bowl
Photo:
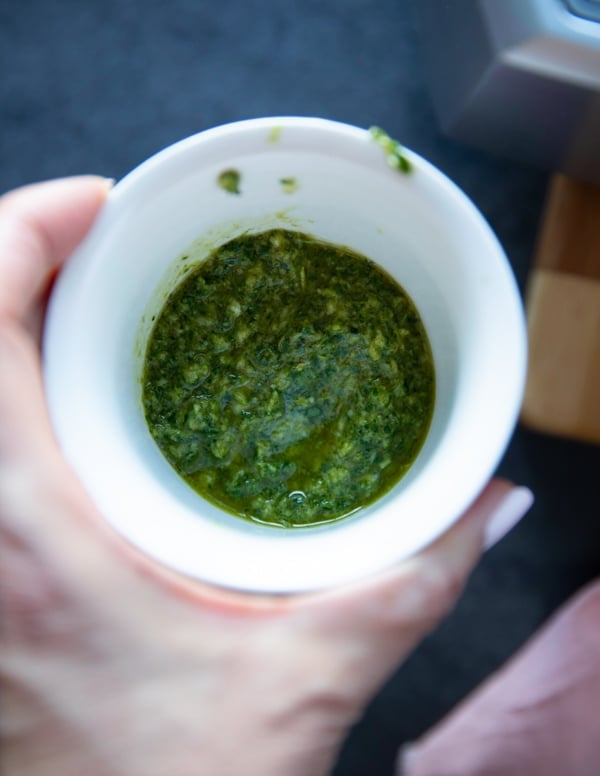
(420, 227)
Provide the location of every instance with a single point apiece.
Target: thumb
(40, 225)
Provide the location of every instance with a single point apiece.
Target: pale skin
(110, 665)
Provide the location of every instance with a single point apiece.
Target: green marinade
(288, 380)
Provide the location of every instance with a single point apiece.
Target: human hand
(111, 665)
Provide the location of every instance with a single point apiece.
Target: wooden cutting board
(563, 315)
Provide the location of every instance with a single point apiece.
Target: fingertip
(500, 498)
(507, 514)
(34, 193)
(406, 759)
(41, 225)
(453, 556)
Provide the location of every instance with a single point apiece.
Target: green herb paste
(394, 153)
(287, 380)
(229, 180)
(288, 185)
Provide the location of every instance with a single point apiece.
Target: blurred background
(96, 86)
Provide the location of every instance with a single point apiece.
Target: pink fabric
(538, 716)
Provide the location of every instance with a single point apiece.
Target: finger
(423, 587)
(496, 511)
(364, 631)
(377, 624)
(537, 715)
(40, 225)
(25, 433)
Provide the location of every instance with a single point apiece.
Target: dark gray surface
(98, 85)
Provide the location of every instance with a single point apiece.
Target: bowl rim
(301, 132)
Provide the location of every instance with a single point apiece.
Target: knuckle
(440, 587)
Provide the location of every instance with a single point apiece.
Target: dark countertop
(97, 86)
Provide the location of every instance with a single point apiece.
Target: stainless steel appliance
(518, 77)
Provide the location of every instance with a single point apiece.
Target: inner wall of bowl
(418, 227)
(371, 218)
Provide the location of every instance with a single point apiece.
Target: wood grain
(563, 316)
(569, 240)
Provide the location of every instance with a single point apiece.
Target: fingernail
(109, 183)
(507, 514)
(406, 757)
